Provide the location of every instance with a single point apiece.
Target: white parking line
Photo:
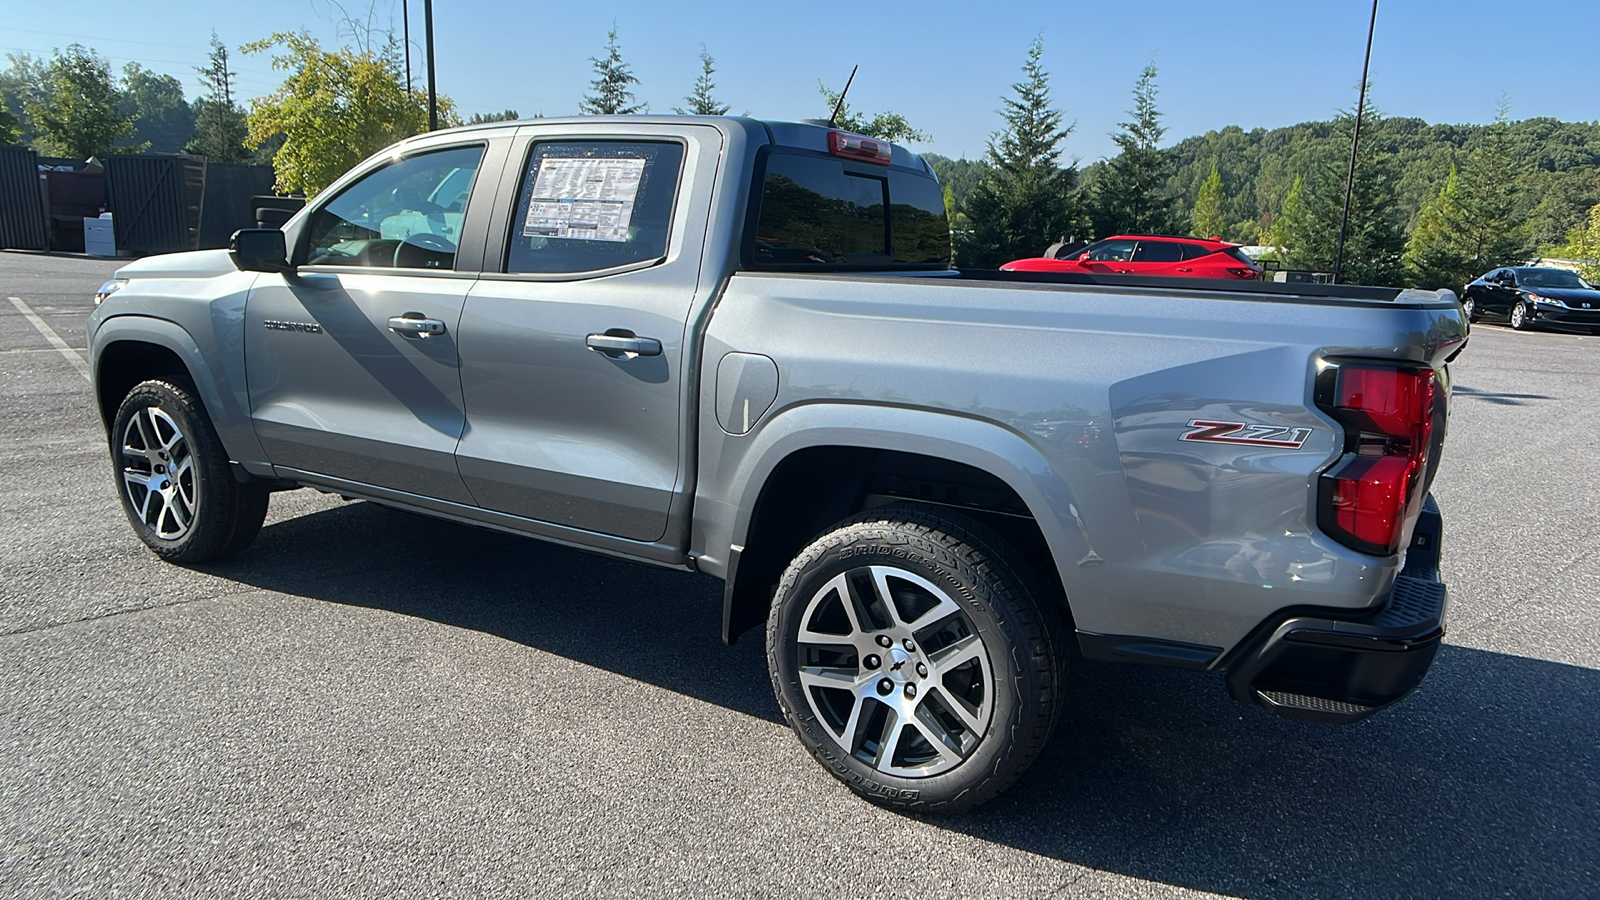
(50, 335)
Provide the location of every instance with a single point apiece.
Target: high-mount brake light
(1388, 414)
(855, 146)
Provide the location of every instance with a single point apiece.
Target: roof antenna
(834, 118)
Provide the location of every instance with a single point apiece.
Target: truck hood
(195, 264)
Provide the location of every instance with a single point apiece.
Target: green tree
(612, 92)
(163, 120)
(78, 114)
(1025, 200)
(1289, 221)
(1434, 257)
(10, 126)
(21, 83)
(334, 108)
(702, 102)
(1583, 245)
(1130, 196)
(1493, 234)
(1208, 215)
(887, 126)
(509, 115)
(1374, 240)
(221, 131)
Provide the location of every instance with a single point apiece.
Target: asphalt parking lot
(371, 704)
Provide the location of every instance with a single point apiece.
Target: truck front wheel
(909, 653)
(173, 477)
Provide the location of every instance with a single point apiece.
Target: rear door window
(593, 205)
(1158, 252)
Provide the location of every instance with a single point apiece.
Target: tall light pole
(433, 97)
(1355, 141)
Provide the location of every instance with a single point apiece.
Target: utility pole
(1355, 141)
(405, 26)
(433, 96)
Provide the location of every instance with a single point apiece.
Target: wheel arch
(813, 466)
(129, 349)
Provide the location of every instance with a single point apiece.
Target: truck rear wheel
(909, 652)
(173, 477)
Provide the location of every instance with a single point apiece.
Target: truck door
(352, 360)
(572, 343)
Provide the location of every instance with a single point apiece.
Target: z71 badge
(1245, 433)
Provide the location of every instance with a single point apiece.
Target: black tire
(1519, 317)
(985, 597)
(174, 479)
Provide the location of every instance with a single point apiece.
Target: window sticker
(584, 199)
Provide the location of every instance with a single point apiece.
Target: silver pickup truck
(738, 347)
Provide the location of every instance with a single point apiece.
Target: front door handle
(414, 324)
(626, 342)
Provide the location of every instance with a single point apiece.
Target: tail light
(1240, 272)
(1365, 499)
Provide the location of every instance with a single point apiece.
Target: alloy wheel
(158, 473)
(894, 669)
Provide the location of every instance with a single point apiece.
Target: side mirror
(259, 250)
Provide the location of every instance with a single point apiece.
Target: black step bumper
(1328, 666)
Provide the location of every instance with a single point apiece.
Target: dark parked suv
(1526, 296)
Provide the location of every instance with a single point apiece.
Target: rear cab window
(816, 211)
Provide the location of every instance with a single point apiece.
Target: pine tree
(1025, 200)
(702, 102)
(612, 95)
(1492, 233)
(1130, 197)
(508, 115)
(1208, 216)
(1434, 257)
(219, 130)
(1374, 240)
(1289, 220)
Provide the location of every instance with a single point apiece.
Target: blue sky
(943, 65)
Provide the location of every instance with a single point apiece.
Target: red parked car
(1148, 254)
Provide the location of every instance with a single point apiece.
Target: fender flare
(978, 443)
(226, 399)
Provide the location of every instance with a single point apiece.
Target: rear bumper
(1326, 666)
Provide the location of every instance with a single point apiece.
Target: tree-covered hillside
(1557, 167)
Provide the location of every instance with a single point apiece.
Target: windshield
(1552, 278)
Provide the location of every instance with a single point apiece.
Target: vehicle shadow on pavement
(1498, 397)
(1485, 782)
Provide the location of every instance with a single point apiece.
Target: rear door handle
(1186, 269)
(413, 323)
(624, 343)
